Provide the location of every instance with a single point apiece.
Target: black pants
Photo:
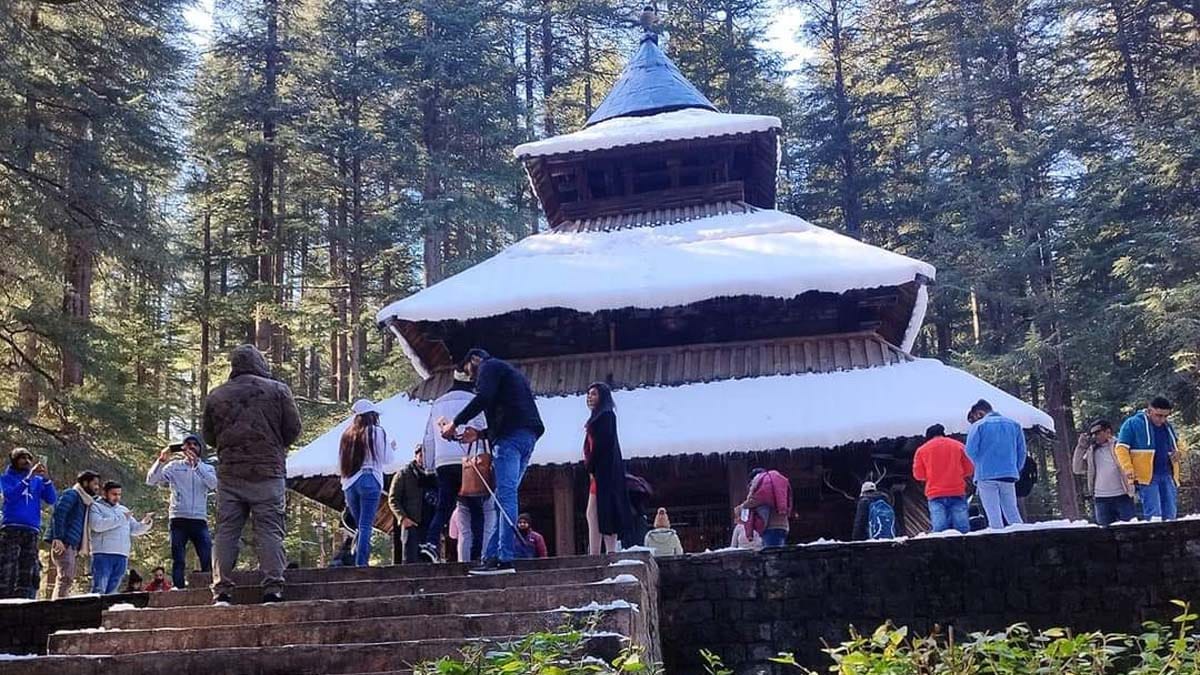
(449, 480)
(18, 562)
(414, 537)
(186, 531)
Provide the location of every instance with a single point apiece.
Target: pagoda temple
(734, 335)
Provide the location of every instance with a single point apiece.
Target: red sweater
(943, 465)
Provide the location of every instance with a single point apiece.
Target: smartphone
(175, 447)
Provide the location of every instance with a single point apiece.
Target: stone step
(514, 599)
(621, 619)
(408, 586)
(330, 574)
(339, 659)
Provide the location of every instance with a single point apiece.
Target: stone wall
(747, 607)
(25, 626)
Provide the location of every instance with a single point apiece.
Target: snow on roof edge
(674, 125)
(741, 415)
(765, 252)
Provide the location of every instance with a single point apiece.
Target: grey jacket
(189, 486)
(113, 528)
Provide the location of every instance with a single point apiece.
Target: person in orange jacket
(942, 464)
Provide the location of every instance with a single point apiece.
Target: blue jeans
(1111, 510)
(362, 498)
(108, 571)
(949, 513)
(510, 459)
(774, 537)
(1158, 498)
(999, 500)
(183, 532)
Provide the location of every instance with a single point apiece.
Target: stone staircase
(371, 620)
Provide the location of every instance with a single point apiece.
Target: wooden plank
(841, 355)
(826, 356)
(707, 366)
(874, 353)
(812, 361)
(858, 353)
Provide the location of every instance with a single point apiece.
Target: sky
(782, 34)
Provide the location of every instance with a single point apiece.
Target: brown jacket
(251, 419)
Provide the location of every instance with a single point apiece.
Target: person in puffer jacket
(250, 420)
(662, 540)
(26, 486)
(190, 480)
(1149, 451)
(768, 507)
(112, 530)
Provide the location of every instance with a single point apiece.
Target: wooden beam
(564, 510)
(737, 479)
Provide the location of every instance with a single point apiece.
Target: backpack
(881, 520)
(1029, 477)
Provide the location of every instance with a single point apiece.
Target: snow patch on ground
(619, 579)
(595, 606)
(743, 415)
(122, 607)
(627, 562)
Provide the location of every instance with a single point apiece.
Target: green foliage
(563, 651)
(1158, 650)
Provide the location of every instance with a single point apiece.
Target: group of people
(88, 519)
(465, 477)
(252, 419)
(1140, 460)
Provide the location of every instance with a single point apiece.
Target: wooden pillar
(564, 511)
(737, 477)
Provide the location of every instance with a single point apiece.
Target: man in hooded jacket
(251, 420)
(190, 479)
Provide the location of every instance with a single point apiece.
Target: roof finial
(649, 21)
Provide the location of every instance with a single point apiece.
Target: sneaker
(494, 567)
(430, 552)
(272, 597)
(222, 600)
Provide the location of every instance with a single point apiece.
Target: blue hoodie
(23, 495)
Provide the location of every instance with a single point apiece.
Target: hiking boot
(272, 597)
(493, 567)
(430, 553)
(222, 600)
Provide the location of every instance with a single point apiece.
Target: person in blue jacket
(996, 446)
(68, 535)
(26, 487)
(1150, 451)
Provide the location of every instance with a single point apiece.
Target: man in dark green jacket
(412, 497)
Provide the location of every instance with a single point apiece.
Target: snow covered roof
(752, 414)
(677, 125)
(766, 253)
(650, 84)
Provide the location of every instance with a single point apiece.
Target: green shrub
(563, 651)
(1158, 650)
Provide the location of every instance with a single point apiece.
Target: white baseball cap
(363, 406)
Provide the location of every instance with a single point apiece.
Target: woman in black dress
(608, 511)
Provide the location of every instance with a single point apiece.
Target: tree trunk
(354, 278)
(79, 268)
(1128, 73)
(266, 264)
(850, 199)
(28, 393)
(548, 66)
(206, 301)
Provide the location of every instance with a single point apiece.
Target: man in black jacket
(502, 393)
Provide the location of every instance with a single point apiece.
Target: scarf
(85, 546)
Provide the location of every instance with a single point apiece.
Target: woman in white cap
(363, 454)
